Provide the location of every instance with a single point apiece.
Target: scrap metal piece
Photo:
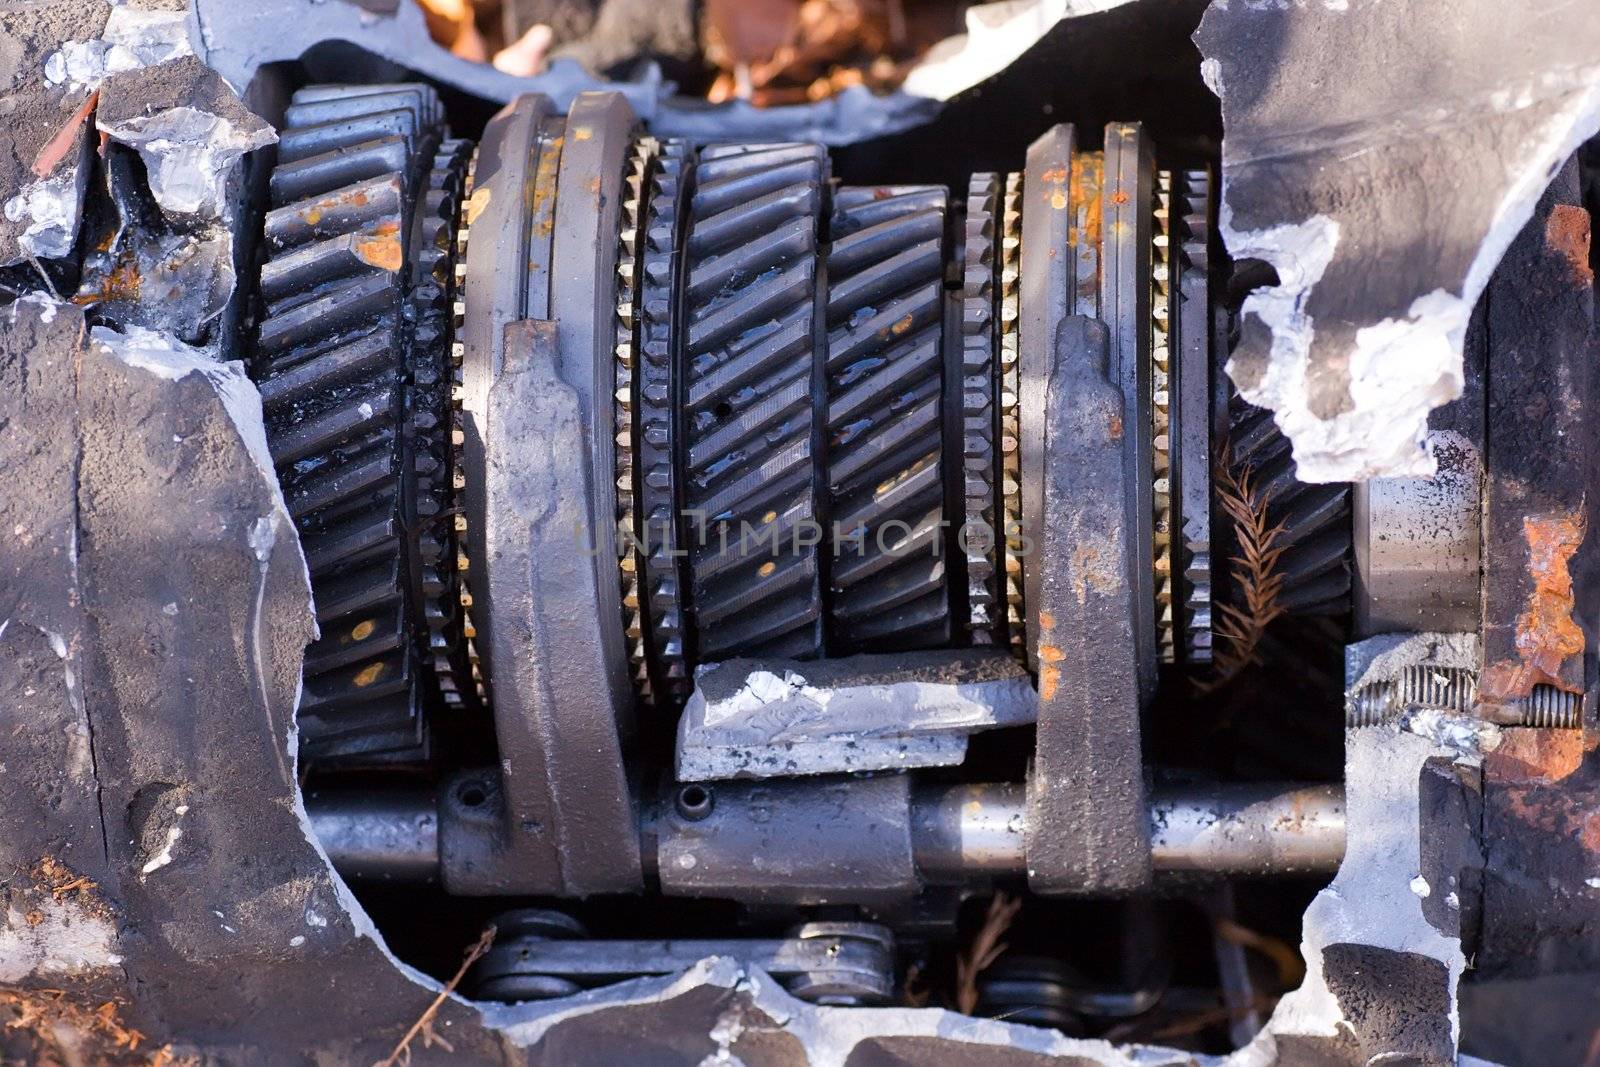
(774, 718)
(1363, 335)
(840, 963)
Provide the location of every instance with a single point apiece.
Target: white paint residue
(55, 939)
(164, 856)
(132, 39)
(50, 208)
(1420, 886)
(1372, 900)
(996, 35)
(190, 155)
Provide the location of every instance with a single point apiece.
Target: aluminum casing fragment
(777, 718)
(1363, 335)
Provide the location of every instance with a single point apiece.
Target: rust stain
(901, 326)
(383, 252)
(582, 133)
(1049, 680)
(1566, 233)
(313, 213)
(1115, 426)
(124, 282)
(1535, 755)
(56, 149)
(1058, 201)
(1047, 621)
(1119, 197)
(1054, 176)
(1051, 654)
(1547, 633)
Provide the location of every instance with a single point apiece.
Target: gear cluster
(817, 394)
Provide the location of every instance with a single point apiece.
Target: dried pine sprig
(1240, 626)
(984, 948)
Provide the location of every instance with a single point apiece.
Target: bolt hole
(472, 795)
(722, 410)
(694, 802)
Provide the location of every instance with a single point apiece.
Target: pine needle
(424, 1024)
(1241, 626)
(984, 948)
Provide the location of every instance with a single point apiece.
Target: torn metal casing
(1383, 190)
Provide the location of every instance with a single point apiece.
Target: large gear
(750, 433)
(980, 538)
(885, 465)
(352, 342)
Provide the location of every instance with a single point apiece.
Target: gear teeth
(1164, 525)
(751, 294)
(625, 358)
(657, 477)
(1191, 221)
(1009, 401)
(1315, 518)
(978, 414)
(885, 378)
(349, 349)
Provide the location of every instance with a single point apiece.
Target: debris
(986, 946)
(424, 1024)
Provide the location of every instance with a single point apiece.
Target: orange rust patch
(1119, 197)
(56, 149)
(383, 252)
(123, 283)
(1051, 654)
(1049, 679)
(1566, 233)
(1548, 755)
(1547, 634)
(1047, 621)
(1054, 176)
(1116, 426)
(901, 326)
(1058, 201)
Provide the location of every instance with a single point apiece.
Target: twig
(1241, 626)
(983, 950)
(424, 1024)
